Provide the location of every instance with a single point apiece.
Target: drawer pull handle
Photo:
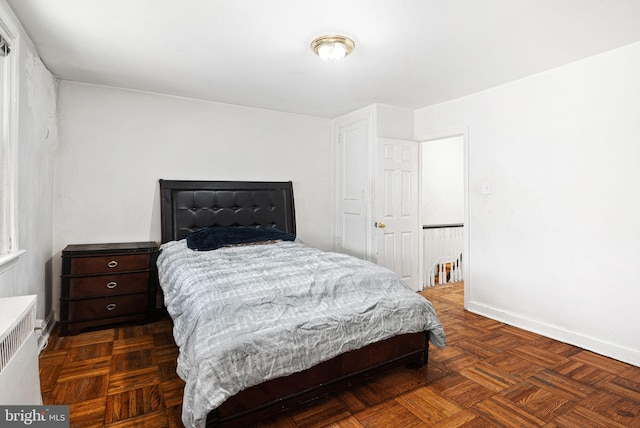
(112, 264)
(111, 306)
(112, 284)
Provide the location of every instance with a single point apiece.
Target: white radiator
(19, 376)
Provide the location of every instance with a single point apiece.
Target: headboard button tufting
(268, 204)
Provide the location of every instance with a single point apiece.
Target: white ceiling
(409, 53)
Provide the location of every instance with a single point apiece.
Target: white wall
(116, 144)
(555, 248)
(442, 175)
(37, 142)
(393, 122)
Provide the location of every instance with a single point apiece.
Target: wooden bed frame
(191, 205)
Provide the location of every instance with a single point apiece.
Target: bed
(235, 377)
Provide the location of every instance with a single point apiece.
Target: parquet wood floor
(490, 375)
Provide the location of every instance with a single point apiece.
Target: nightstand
(104, 284)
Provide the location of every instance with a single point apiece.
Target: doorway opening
(443, 208)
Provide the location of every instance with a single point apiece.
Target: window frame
(9, 68)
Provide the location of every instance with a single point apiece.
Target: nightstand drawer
(107, 285)
(108, 307)
(108, 264)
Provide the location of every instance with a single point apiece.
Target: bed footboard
(286, 393)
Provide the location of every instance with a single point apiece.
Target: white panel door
(353, 189)
(396, 208)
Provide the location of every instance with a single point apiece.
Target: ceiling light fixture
(332, 47)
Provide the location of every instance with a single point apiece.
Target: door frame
(425, 138)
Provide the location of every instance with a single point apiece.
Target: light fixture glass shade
(332, 51)
(332, 47)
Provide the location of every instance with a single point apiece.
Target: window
(8, 136)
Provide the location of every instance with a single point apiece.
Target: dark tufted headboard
(187, 206)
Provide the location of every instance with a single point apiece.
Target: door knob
(380, 225)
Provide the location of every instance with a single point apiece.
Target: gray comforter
(243, 315)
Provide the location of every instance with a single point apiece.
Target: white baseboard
(598, 346)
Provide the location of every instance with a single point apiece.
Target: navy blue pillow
(216, 237)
